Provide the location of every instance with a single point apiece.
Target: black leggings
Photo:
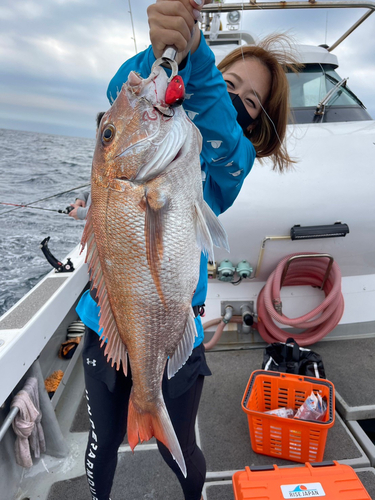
(107, 394)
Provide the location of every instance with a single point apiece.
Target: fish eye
(108, 133)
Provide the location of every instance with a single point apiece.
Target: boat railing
(30, 324)
(8, 421)
(221, 7)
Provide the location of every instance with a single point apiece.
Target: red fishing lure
(175, 93)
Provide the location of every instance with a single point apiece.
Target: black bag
(289, 357)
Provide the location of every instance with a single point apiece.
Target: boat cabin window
(311, 86)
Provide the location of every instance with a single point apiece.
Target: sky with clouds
(58, 56)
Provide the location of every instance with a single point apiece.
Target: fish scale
(146, 228)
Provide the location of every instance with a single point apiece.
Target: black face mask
(243, 117)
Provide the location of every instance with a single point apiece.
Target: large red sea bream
(145, 231)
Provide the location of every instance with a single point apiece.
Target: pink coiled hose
(318, 322)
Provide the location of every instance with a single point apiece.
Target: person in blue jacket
(241, 113)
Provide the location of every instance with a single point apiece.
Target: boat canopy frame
(283, 5)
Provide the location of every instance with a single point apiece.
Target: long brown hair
(277, 53)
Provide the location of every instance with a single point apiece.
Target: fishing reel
(59, 266)
(67, 210)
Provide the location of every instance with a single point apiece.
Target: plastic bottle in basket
(314, 408)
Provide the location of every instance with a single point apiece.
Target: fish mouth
(164, 110)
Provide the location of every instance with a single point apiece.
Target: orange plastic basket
(288, 438)
(329, 480)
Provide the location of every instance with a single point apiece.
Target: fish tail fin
(143, 425)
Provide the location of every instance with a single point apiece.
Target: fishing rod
(43, 199)
(65, 211)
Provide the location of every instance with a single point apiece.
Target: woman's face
(251, 80)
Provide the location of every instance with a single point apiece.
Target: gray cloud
(57, 56)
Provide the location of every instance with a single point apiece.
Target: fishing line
(131, 19)
(27, 206)
(43, 199)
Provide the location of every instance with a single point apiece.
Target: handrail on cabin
(303, 4)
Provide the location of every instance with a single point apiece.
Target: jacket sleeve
(227, 155)
(82, 213)
(83, 195)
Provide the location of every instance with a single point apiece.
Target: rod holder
(335, 230)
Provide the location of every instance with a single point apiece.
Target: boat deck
(222, 431)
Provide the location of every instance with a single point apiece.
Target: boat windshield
(309, 87)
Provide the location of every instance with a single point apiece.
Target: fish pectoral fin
(184, 348)
(208, 221)
(204, 240)
(156, 207)
(143, 425)
(115, 349)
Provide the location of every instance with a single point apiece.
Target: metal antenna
(131, 18)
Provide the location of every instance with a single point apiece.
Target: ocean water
(35, 166)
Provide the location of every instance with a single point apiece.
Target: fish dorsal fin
(115, 349)
(209, 230)
(184, 348)
(155, 207)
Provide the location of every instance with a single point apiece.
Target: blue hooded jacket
(227, 156)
